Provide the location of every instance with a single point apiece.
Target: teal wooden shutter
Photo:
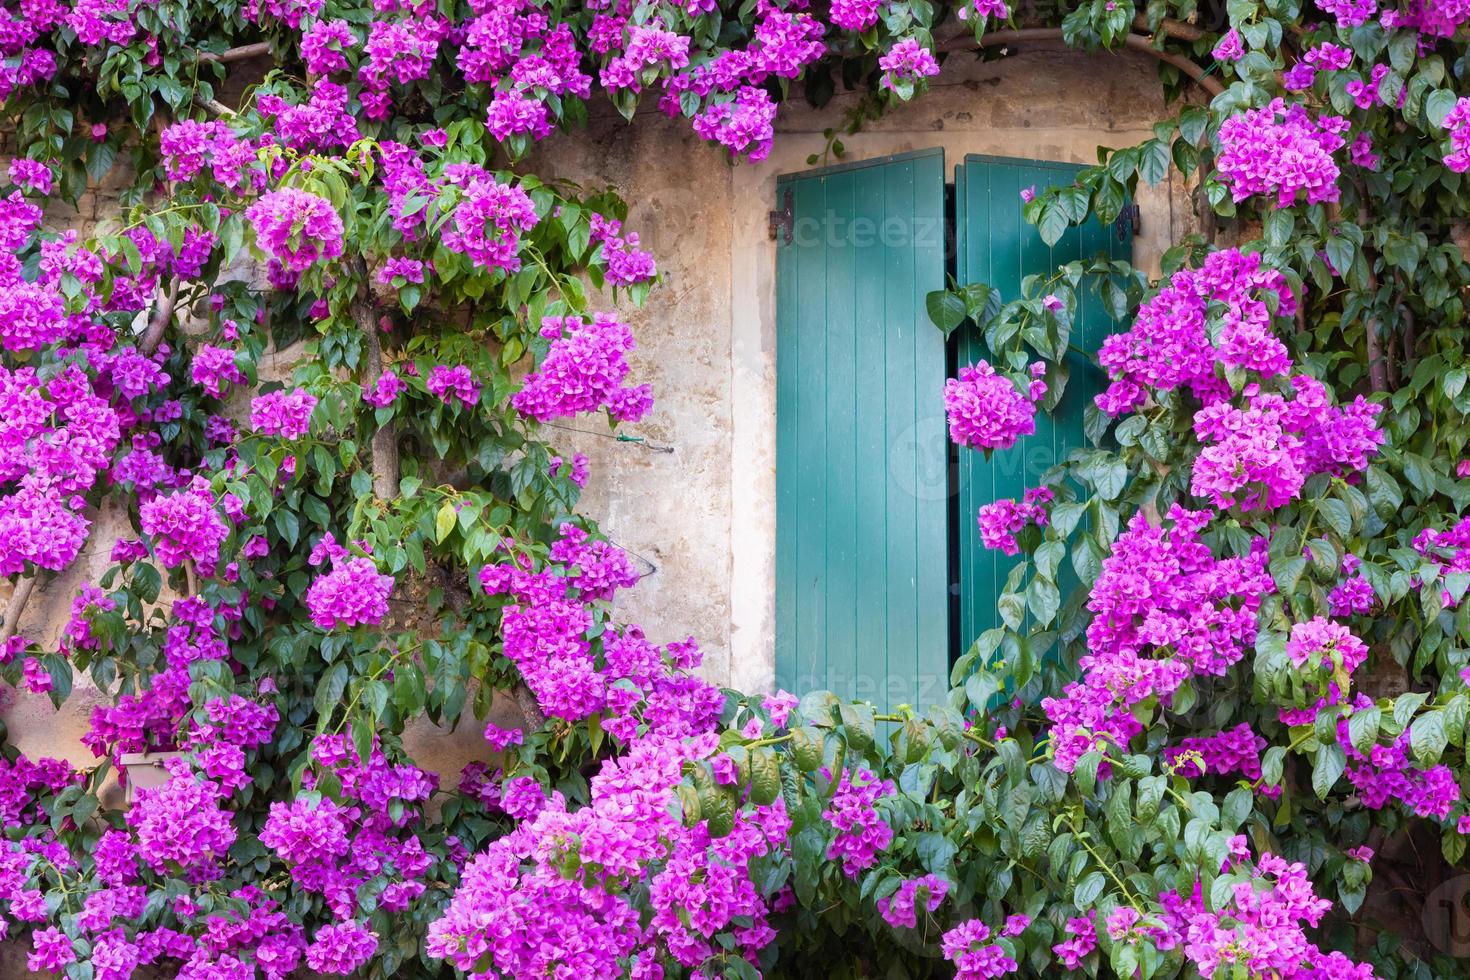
(861, 474)
(995, 245)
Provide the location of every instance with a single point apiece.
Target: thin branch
(1209, 221)
(1201, 77)
(18, 599)
(163, 314)
(1174, 28)
(385, 439)
(531, 712)
(1407, 315)
(1137, 42)
(242, 53)
(217, 107)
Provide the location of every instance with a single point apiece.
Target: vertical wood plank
(861, 529)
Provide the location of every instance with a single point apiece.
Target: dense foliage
(1229, 697)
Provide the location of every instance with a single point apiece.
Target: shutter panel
(861, 474)
(995, 245)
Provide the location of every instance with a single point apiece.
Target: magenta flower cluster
(1323, 57)
(987, 410)
(180, 825)
(1081, 933)
(627, 263)
(57, 436)
(974, 953)
(1349, 13)
(1458, 124)
(1229, 47)
(185, 526)
(852, 810)
(1002, 520)
(1262, 928)
(1169, 345)
(1281, 151)
(325, 46)
(907, 61)
(189, 146)
(1323, 645)
(1354, 596)
(385, 389)
(32, 176)
(1164, 610)
(353, 593)
(1262, 453)
(214, 369)
(286, 414)
(981, 9)
(296, 228)
(583, 371)
(1234, 750)
(546, 626)
(549, 896)
(310, 828)
(452, 384)
(489, 220)
(1387, 774)
(901, 909)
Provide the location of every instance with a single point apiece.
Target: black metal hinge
(782, 220)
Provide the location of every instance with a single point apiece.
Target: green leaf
(1363, 728)
(765, 776)
(1278, 227)
(1384, 492)
(1287, 572)
(1336, 514)
(1044, 599)
(1328, 768)
(946, 310)
(1085, 895)
(1238, 806)
(980, 688)
(1052, 223)
(1439, 105)
(717, 805)
(329, 693)
(1427, 737)
(444, 522)
(858, 724)
(936, 852)
(805, 748)
(1405, 705)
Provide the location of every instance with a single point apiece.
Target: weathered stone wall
(700, 519)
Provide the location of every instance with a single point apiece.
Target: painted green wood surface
(995, 245)
(861, 475)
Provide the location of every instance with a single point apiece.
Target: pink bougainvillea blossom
(286, 414)
(987, 410)
(583, 371)
(1282, 151)
(354, 593)
(296, 228)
